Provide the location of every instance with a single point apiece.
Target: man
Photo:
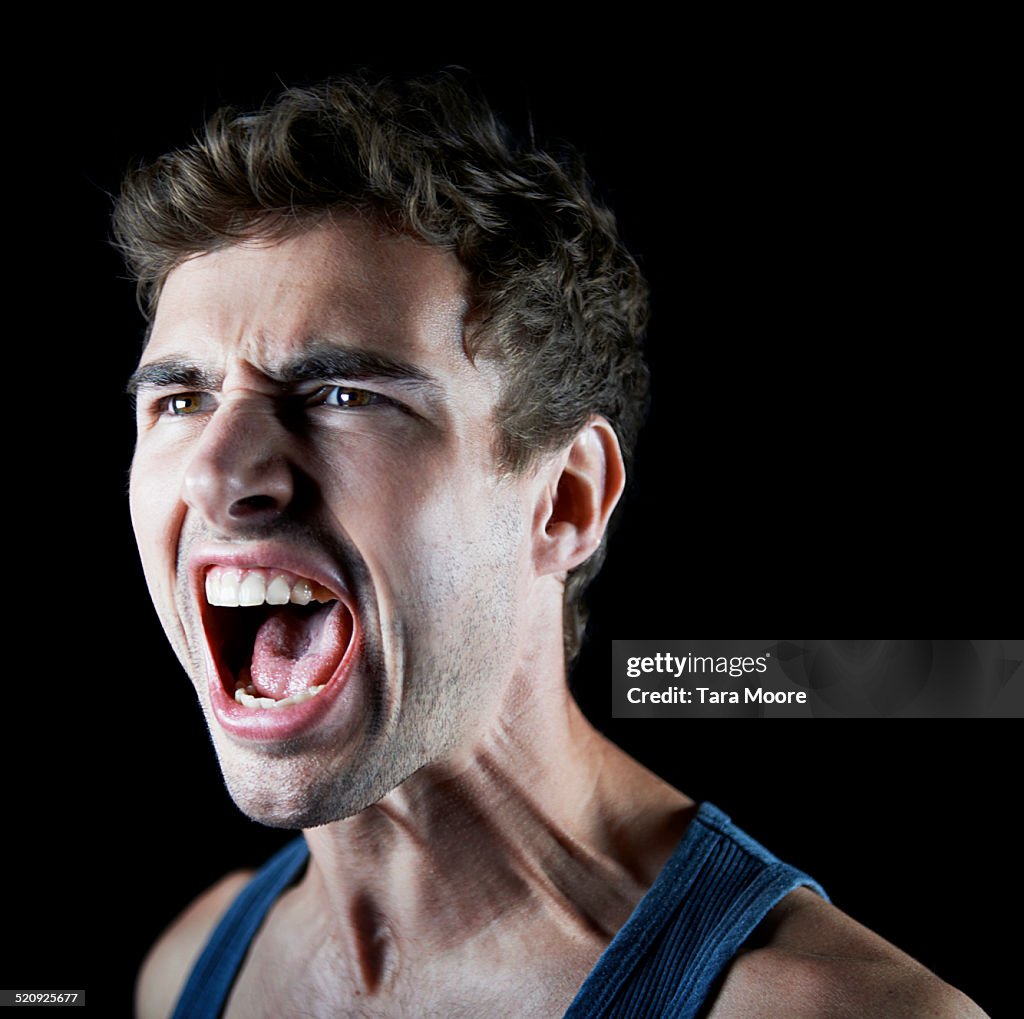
(385, 410)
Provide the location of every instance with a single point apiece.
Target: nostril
(252, 505)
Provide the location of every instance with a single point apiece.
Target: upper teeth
(234, 587)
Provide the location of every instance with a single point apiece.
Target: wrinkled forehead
(346, 280)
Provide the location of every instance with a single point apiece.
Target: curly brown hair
(560, 302)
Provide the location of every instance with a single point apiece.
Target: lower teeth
(246, 695)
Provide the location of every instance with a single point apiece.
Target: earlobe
(580, 499)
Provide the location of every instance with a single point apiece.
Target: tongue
(293, 652)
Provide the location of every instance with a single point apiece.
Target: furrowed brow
(163, 374)
(321, 363)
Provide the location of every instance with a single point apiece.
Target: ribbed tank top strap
(207, 989)
(715, 889)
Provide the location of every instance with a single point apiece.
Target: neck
(541, 818)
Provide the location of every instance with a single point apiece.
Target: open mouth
(276, 638)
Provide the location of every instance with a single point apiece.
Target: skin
(477, 843)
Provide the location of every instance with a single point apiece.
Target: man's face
(310, 430)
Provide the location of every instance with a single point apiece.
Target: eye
(344, 397)
(185, 404)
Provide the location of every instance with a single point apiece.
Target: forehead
(346, 282)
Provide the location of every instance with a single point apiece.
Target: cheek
(450, 551)
(389, 494)
(157, 513)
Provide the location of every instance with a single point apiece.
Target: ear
(584, 487)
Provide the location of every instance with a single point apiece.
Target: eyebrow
(330, 362)
(172, 372)
(322, 361)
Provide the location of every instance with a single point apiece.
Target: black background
(830, 441)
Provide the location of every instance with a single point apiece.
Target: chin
(296, 801)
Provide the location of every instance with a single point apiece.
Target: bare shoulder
(170, 960)
(812, 961)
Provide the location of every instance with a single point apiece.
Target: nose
(240, 477)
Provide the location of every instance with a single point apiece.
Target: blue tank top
(717, 886)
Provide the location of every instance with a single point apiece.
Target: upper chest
(535, 971)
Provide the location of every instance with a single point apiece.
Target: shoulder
(170, 960)
(809, 960)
